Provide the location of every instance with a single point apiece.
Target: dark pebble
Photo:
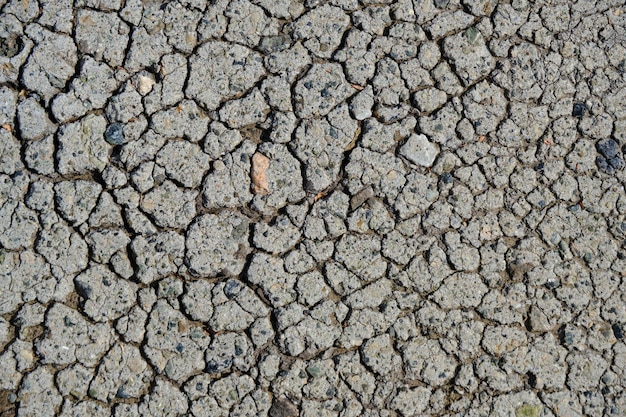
(579, 110)
(617, 163)
(115, 134)
(618, 331)
(608, 148)
(441, 4)
(568, 338)
(282, 407)
(271, 44)
(446, 178)
(121, 393)
(231, 289)
(603, 165)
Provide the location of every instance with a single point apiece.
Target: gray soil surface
(312, 208)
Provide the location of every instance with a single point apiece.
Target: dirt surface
(317, 208)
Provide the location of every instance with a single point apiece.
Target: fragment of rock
(145, 85)
(260, 164)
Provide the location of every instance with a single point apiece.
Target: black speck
(618, 331)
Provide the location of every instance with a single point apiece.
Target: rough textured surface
(312, 208)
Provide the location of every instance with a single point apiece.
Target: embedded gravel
(312, 207)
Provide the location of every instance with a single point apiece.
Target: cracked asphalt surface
(318, 208)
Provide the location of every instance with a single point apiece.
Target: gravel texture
(312, 208)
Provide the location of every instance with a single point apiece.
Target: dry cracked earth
(319, 208)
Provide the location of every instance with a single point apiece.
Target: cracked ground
(312, 208)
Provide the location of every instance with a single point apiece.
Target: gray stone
(220, 140)
(411, 401)
(247, 23)
(147, 45)
(268, 272)
(419, 150)
(74, 380)
(389, 88)
(19, 224)
(106, 213)
(124, 106)
(448, 22)
(425, 360)
(289, 62)
(362, 103)
(361, 255)
(586, 368)
(485, 107)
(383, 171)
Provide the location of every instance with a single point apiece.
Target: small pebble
(608, 148)
(579, 110)
(145, 85)
(115, 134)
(260, 164)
